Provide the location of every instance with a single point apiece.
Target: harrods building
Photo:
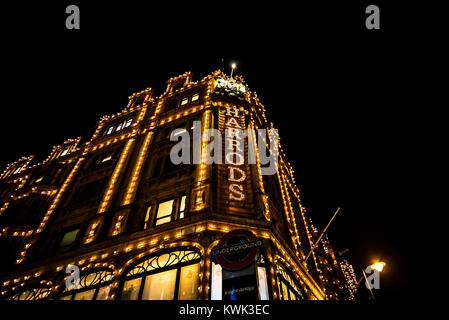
(140, 227)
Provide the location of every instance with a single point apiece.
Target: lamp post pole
(367, 284)
(377, 266)
(233, 66)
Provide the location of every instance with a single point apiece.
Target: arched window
(172, 275)
(31, 294)
(92, 286)
(289, 288)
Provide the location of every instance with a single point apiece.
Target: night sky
(333, 89)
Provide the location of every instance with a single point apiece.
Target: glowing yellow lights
(144, 135)
(204, 142)
(259, 170)
(117, 226)
(379, 266)
(137, 169)
(111, 187)
(92, 232)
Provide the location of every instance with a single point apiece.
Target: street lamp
(378, 266)
(233, 66)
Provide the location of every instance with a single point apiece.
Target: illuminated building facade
(140, 227)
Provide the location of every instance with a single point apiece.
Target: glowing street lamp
(379, 266)
(233, 66)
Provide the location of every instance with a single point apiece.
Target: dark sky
(334, 90)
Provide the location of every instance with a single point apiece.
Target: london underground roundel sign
(237, 249)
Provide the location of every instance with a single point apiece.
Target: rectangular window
(128, 123)
(119, 127)
(157, 167)
(172, 105)
(110, 130)
(131, 289)
(263, 283)
(91, 190)
(184, 101)
(169, 166)
(195, 97)
(216, 283)
(182, 207)
(164, 211)
(147, 218)
(284, 291)
(292, 295)
(64, 152)
(68, 240)
(160, 286)
(85, 295)
(106, 157)
(103, 293)
(189, 282)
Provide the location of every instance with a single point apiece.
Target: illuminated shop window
(289, 288)
(68, 240)
(195, 97)
(160, 286)
(189, 282)
(131, 289)
(169, 276)
(217, 278)
(147, 218)
(31, 294)
(164, 211)
(93, 286)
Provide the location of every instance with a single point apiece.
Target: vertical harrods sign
(237, 253)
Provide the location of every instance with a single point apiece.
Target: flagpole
(324, 231)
